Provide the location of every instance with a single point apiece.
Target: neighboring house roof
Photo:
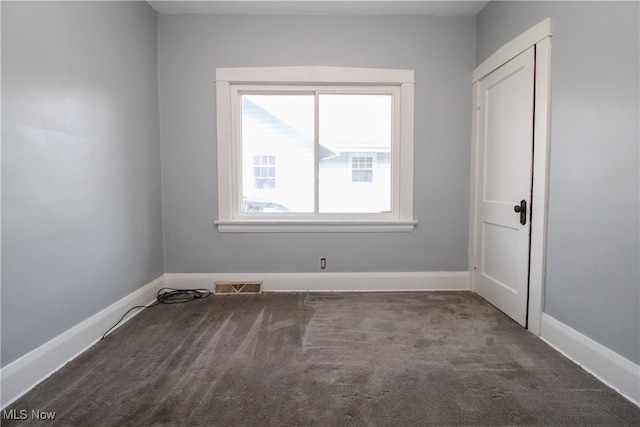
(330, 146)
(278, 128)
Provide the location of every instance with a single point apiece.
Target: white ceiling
(322, 7)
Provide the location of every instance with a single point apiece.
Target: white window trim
(228, 218)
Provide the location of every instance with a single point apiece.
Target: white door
(505, 153)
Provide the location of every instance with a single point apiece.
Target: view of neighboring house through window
(281, 124)
(351, 129)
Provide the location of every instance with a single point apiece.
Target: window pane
(361, 176)
(350, 124)
(277, 153)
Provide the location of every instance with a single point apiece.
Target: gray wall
(593, 255)
(81, 212)
(442, 52)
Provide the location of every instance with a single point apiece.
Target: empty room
(318, 213)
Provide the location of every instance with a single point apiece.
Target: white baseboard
(609, 367)
(331, 282)
(23, 374)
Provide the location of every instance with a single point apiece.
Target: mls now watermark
(23, 414)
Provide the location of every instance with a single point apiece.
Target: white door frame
(540, 37)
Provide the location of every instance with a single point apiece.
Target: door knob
(522, 210)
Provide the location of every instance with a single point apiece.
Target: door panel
(504, 179)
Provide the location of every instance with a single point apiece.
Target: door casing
(540, 37)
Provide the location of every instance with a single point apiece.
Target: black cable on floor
(167, 296)
(175, 296)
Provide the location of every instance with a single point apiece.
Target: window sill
(307, 226)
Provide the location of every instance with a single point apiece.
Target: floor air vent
(232, 288)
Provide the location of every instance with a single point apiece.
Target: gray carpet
(383, 359)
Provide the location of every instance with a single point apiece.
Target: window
(361, 168)
(264, 172)
(315, 149)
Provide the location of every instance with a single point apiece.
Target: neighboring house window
(361, 168)
(328, 128)
(264, 172)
